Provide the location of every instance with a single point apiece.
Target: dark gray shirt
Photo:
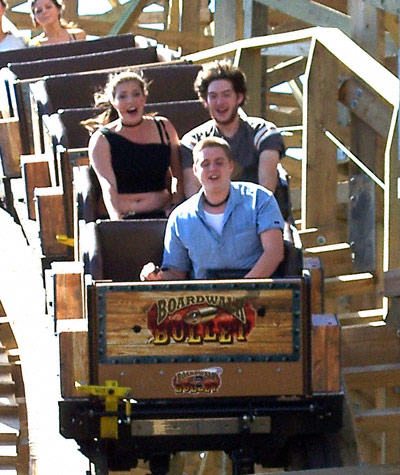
(253, 137)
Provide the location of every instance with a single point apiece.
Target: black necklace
(215, 205)
(132, 125)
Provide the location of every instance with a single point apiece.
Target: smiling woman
(133, 154)
(47, 15)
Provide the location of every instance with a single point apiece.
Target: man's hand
(150, 272)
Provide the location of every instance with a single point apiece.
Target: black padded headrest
(73, 48)
(86, 62)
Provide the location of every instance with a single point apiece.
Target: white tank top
(215, 221)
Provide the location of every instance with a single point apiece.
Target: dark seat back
(64, 127)
(292, 264)
(117, 250)
(105, 43)
(85, 62)
(168, 83)
(184, 115)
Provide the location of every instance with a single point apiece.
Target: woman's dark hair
(4, 3)
(104, 98)
(222, 69)
(59, 4)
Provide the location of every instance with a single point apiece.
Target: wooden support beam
(378, 420)
(251, 64)
(392, 26)
(320, 114)
(391, 6)
(391, 258)
(225, 22)
(361, 317)
(392, 283)
(367, 27)
(311, 12)
(173, 15)
(255, 19)
(314, 267)
(285, 71)
(366, 105)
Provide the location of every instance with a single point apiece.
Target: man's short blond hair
(210, 142)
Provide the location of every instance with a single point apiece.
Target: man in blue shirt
(226, 225)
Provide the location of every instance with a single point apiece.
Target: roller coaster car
(234, 365)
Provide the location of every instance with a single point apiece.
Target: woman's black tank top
(139, 168)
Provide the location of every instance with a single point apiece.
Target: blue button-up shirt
(191, 244)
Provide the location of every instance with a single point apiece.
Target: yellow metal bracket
(112, 393)
(64, 239)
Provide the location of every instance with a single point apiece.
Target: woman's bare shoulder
(78, 33)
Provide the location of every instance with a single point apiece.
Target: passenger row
(59, 142)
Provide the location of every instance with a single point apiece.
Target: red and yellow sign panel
(221, 322)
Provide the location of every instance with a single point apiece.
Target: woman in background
(47, 14)
(133, 154)
(8, 40)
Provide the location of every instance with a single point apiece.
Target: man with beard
(256, 144)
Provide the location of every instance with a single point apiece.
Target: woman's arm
(176, 167)
(100, 159)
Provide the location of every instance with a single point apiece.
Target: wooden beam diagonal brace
(132, 13)
(311, 12)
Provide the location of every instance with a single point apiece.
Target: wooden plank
(11, 148)
(362, 469)
(361, 317)
(68, 289)
(36, 174)
(378, 420)
(50, 213)
(351, 284)
(74, 362)
(313, 265)
(325, 353)
(131, 326)
(336, 258)
(369, 345)
(312, 237)
(375, 376)
(320, 108)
